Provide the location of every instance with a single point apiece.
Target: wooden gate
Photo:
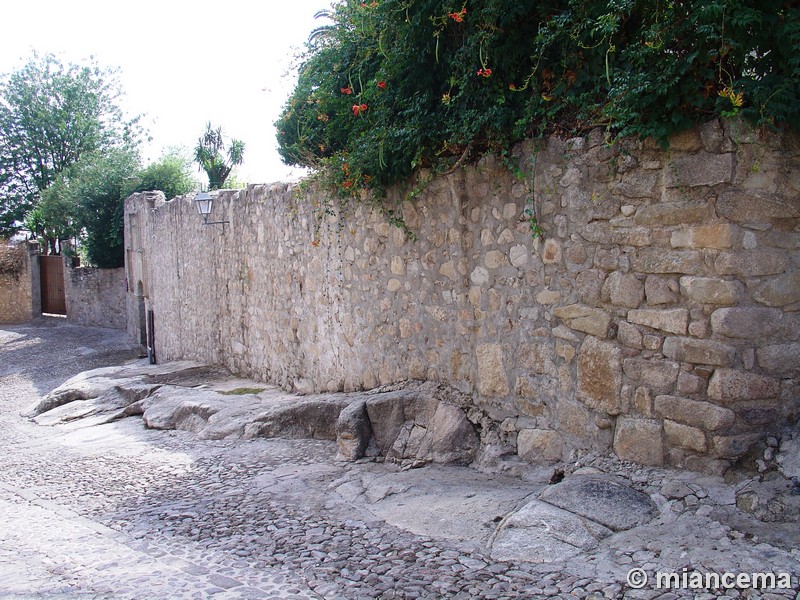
(52, 278)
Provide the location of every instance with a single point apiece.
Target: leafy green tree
(386, 87)
(54, 219)
(98, 185)
(86, 200)
(214, 158)
(172, 174)
(51, 114)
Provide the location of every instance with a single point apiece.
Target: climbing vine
(389, 86)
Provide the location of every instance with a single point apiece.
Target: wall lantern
(205, 204)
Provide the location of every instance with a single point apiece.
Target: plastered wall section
(96, 297)
(658, 315)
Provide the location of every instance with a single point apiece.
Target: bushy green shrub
(86, 201)
(391, 85)
(99, 187)
(172, 174)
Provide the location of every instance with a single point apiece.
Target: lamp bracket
(223, 223)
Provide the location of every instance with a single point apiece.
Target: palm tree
(323, 33)
(210, 155)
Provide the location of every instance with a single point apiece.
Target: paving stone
(612, 504)
(541, 532)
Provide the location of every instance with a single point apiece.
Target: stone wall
(96, 297)
(657, 317)
(19, 283)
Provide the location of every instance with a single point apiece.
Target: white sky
(182, 63)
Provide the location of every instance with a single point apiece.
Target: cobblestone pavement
(118, 511)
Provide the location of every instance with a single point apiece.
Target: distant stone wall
(19, 283)
(658, 317)
(96, 297)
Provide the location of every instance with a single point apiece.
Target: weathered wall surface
(659, 316)
(19, 283)
(96, 297)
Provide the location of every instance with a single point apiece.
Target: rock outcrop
(416, 422)
(421, 422)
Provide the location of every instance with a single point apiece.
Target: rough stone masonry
(658, 315)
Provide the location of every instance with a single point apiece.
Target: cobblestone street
(120, 511)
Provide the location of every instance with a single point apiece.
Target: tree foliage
(86, 201)
(391, 85)
(214, 158)
(97, 186)
(54, 219)
(52, 114)
(172, 174)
